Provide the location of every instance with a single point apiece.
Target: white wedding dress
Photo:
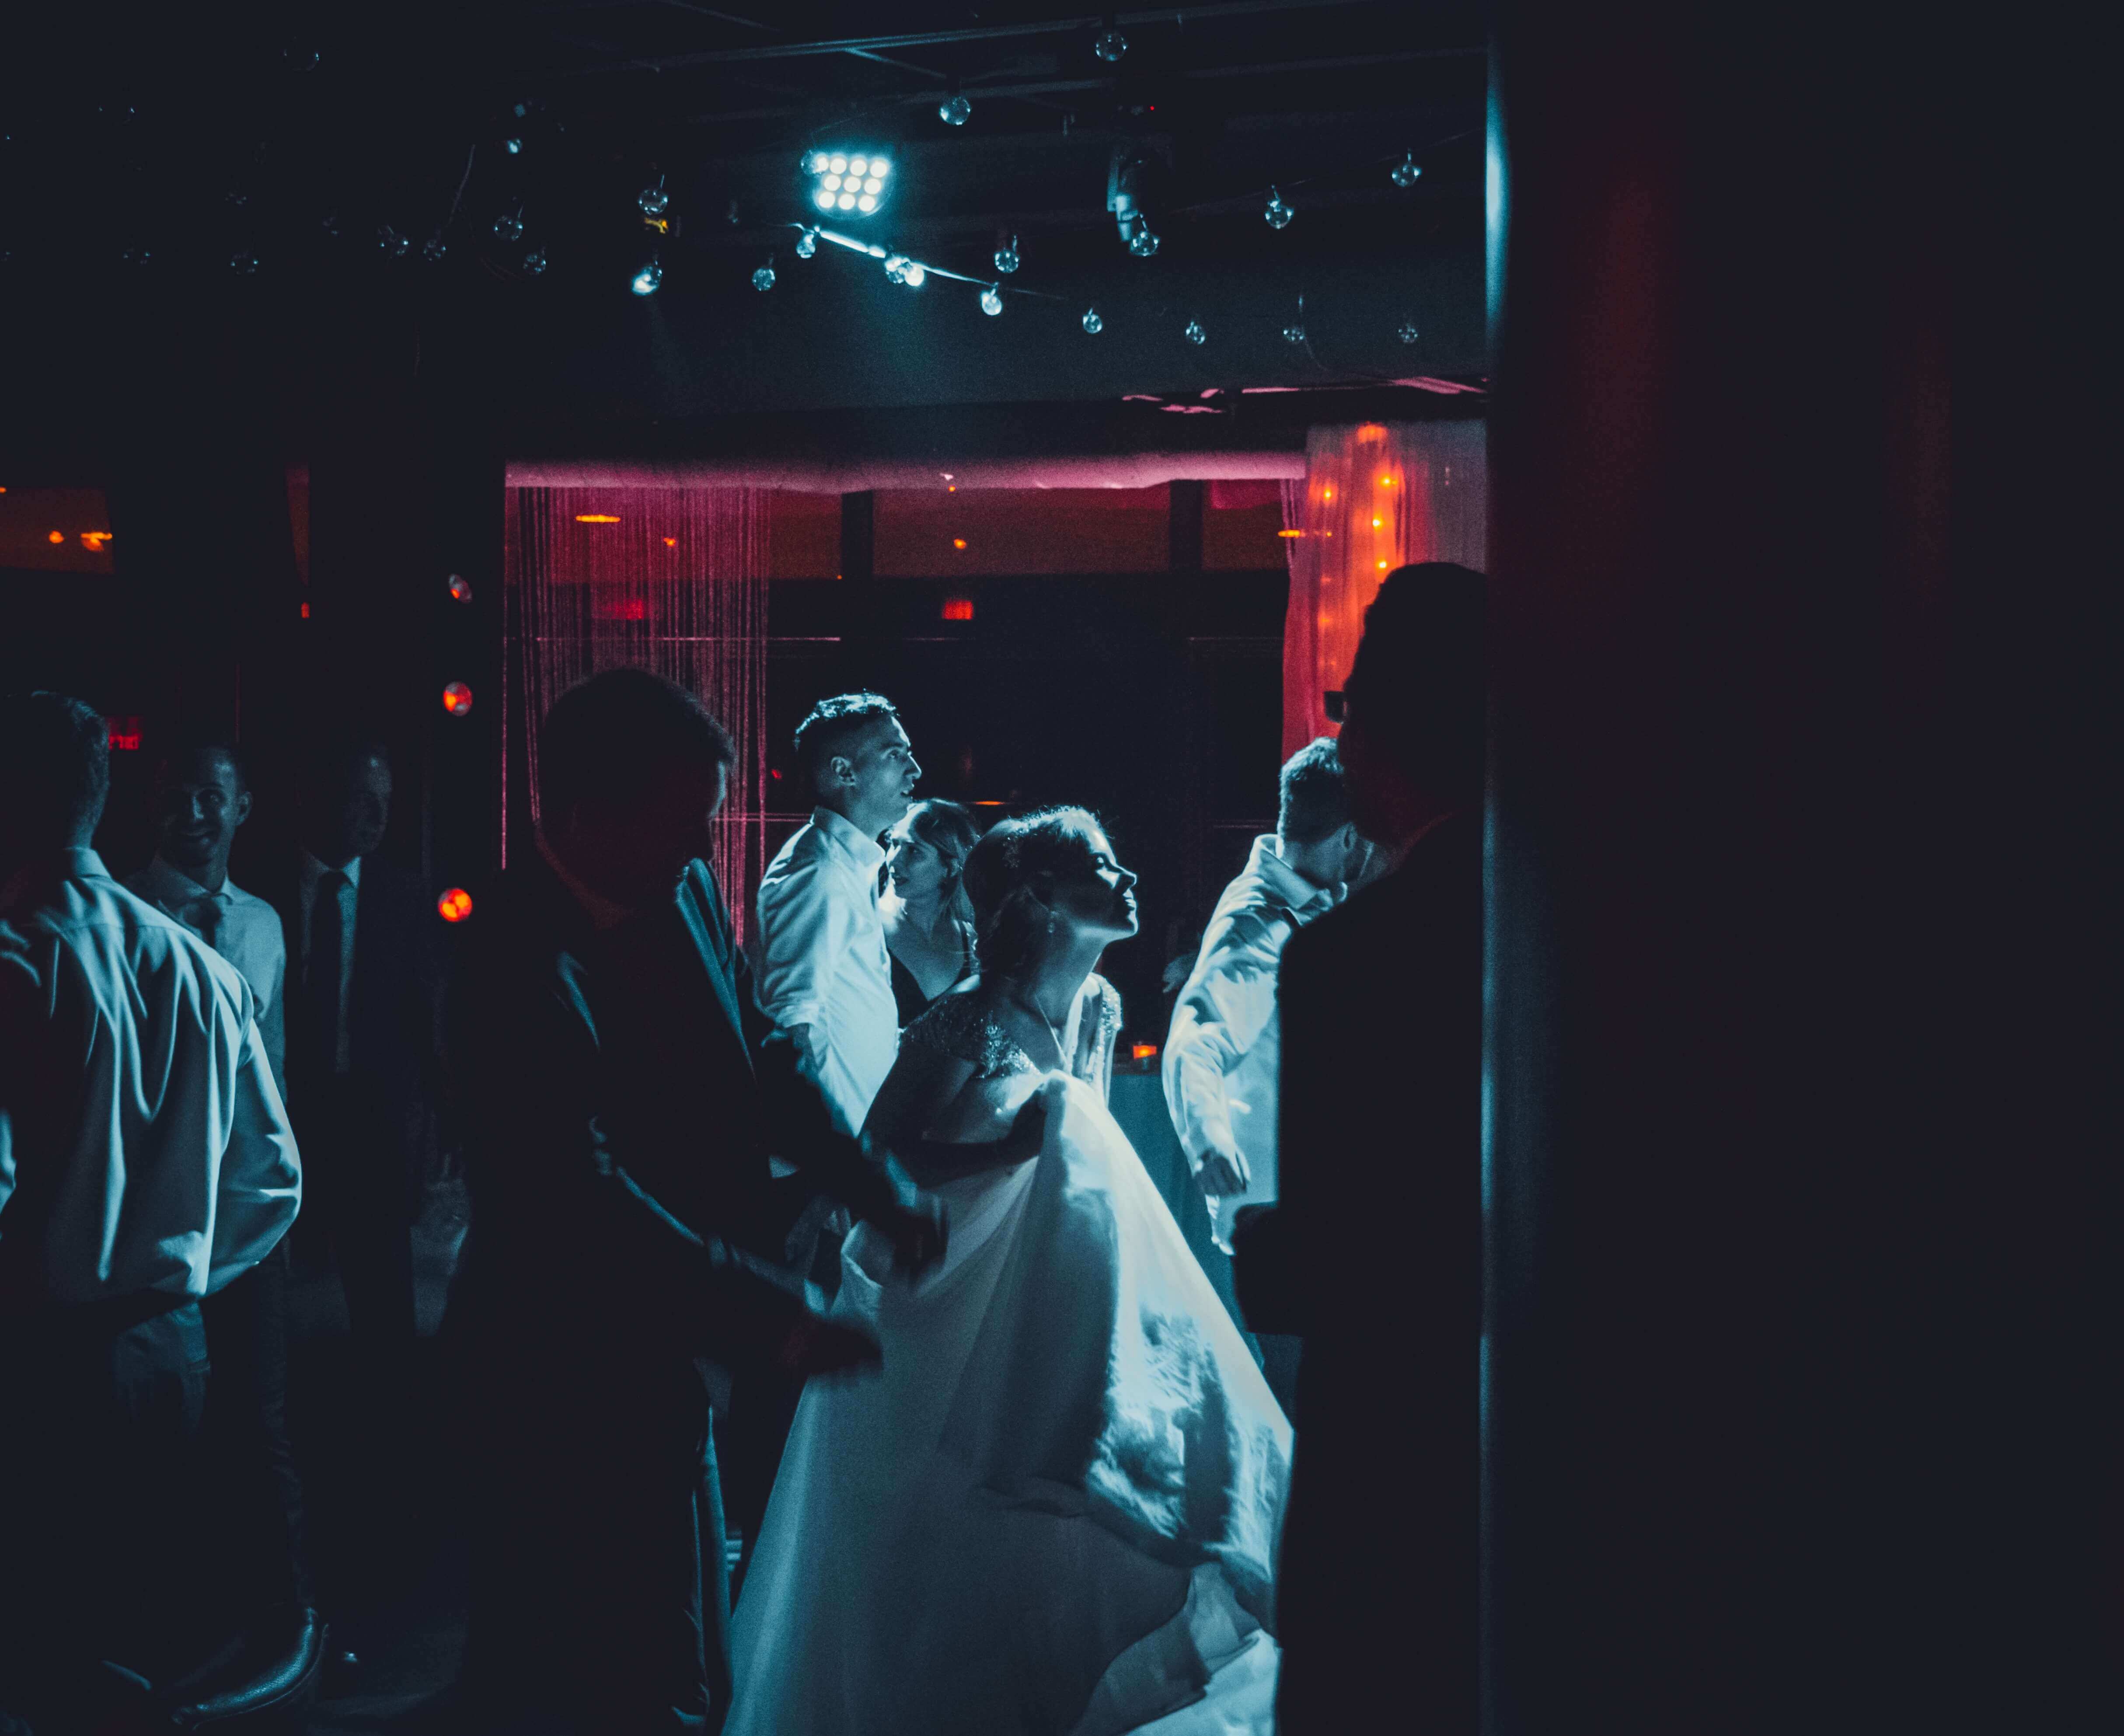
(1056, 1508)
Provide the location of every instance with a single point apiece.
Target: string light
(807, 244)
(1406, 331)
(460, 588)
(534, 262)
(1277, 214)
(1143, 243)
(137, 255)
(514, 147)
(1406, 171)
(457, 699)
(1006, 257)
(895, 267)
(992, 299)
(1109, 45)
(1294, 333)
(434, 250)
(762, 279)
(392, 243)
(915, 275)
(650, 279)
(244, 265)
(1092, 323)
(1195, 334)
(509, 227)
(954, 111)
(654, 201)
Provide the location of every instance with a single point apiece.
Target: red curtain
(1375, 497)
(672, 579)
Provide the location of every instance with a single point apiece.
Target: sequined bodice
(955, 1026)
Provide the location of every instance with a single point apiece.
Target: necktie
(328, 966)
(207, 914)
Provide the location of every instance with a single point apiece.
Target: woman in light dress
(1057, 1508)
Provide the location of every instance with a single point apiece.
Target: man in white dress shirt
(1225, 1048)
(826, 975)
(145, 1162)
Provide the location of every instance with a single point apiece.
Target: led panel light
(858, 182)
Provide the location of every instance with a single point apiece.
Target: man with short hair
(1373, 1254)
(1222, 1051)
(624, 1094)
(826, 976)
(145, 1163)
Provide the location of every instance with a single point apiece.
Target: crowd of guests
(701, 1166)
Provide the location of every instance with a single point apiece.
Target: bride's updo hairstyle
(1011, 873)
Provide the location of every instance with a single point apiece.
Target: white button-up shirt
(243, 929)
(138, 1116)
(825, 974)
(312, 872)
(1225, 1046)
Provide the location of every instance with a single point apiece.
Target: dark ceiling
(258, 181)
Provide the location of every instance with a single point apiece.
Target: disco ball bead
(1092, 323)
(762, 279)
(654, 201)
(1110, 45)
(509, 227)
(1406, 172)
(1142, 244)
(1294, 333)
(534, 262)
(1195, 334)
(807, 244)
(1277, 214)
(954, 111)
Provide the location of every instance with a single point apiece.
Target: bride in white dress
(1057, 1508)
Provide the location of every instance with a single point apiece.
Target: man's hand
(1222, 1174)
(917, 1233)
(816, 1345)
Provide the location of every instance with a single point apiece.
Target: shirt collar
(841, 831)
(1305, 899)
(314, 871)
(174, 886)
(41, 872)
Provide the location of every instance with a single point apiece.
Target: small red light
(306, 612)
(124, 734)
(454, 906)
(958, 609)
(597, 518)
(457, 699)
(958, 542)
(1145, 1051)
(460, 588)
(670, 542)
(57, 536)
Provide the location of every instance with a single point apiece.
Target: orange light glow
(94, 540)
(1145, 1051)
(958, 609)
(986, 804)
(958, 542)
(1291, 534)
(57, 536)
(454, 906)
(951, 488)
(1383, 566)
(1386, 482)
(1377, 521)
(1328, 494)
(457, 699)
(670, 542)
(597, 518)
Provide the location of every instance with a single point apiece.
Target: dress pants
(600, 1600)
(357, 1195)
(100, 1527)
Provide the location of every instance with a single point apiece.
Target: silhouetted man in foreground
(622, 1094)
(1374, 1256)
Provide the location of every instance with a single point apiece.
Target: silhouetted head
(1313, 823)
(1412, 708)
(54, 775)
(201, 797)
(855, 758)
(343, 799)
(631, 772)
(1046, 880)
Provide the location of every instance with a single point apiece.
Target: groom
(623, 1093)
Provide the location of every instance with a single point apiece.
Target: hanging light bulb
(244, 265)
(514, 147)
(1294, 333)
(1195, 334)
(1406, 171)
(895, 267)
(434, 250)
(1277, 214)
(762, 279)
(654, 201)
(534, 262)
(1092, 323)
(992, 299)
(1109, 45)
(1143, 243)
(1406, 331)
(138, 255)
(954, 110)
(650, 279)
(509, 227)
(392, 243)
(1006, 257)
(330, 224)
(807, 244)
(915, 275)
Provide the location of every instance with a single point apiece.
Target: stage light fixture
(992, 299)
(843, 181)
(650, 279)
(1406, 171)
(1195, 334)
(1092, 323)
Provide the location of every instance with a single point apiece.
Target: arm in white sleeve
(805, 930)
(261, 1184)
(1222, 1011)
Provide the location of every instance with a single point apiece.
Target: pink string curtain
(1375, 497)
(672, 579)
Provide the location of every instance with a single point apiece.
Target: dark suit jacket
(622, 1093)
(394, 1015)
(1375, 1256)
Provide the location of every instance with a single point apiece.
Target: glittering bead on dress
(955, 1027)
